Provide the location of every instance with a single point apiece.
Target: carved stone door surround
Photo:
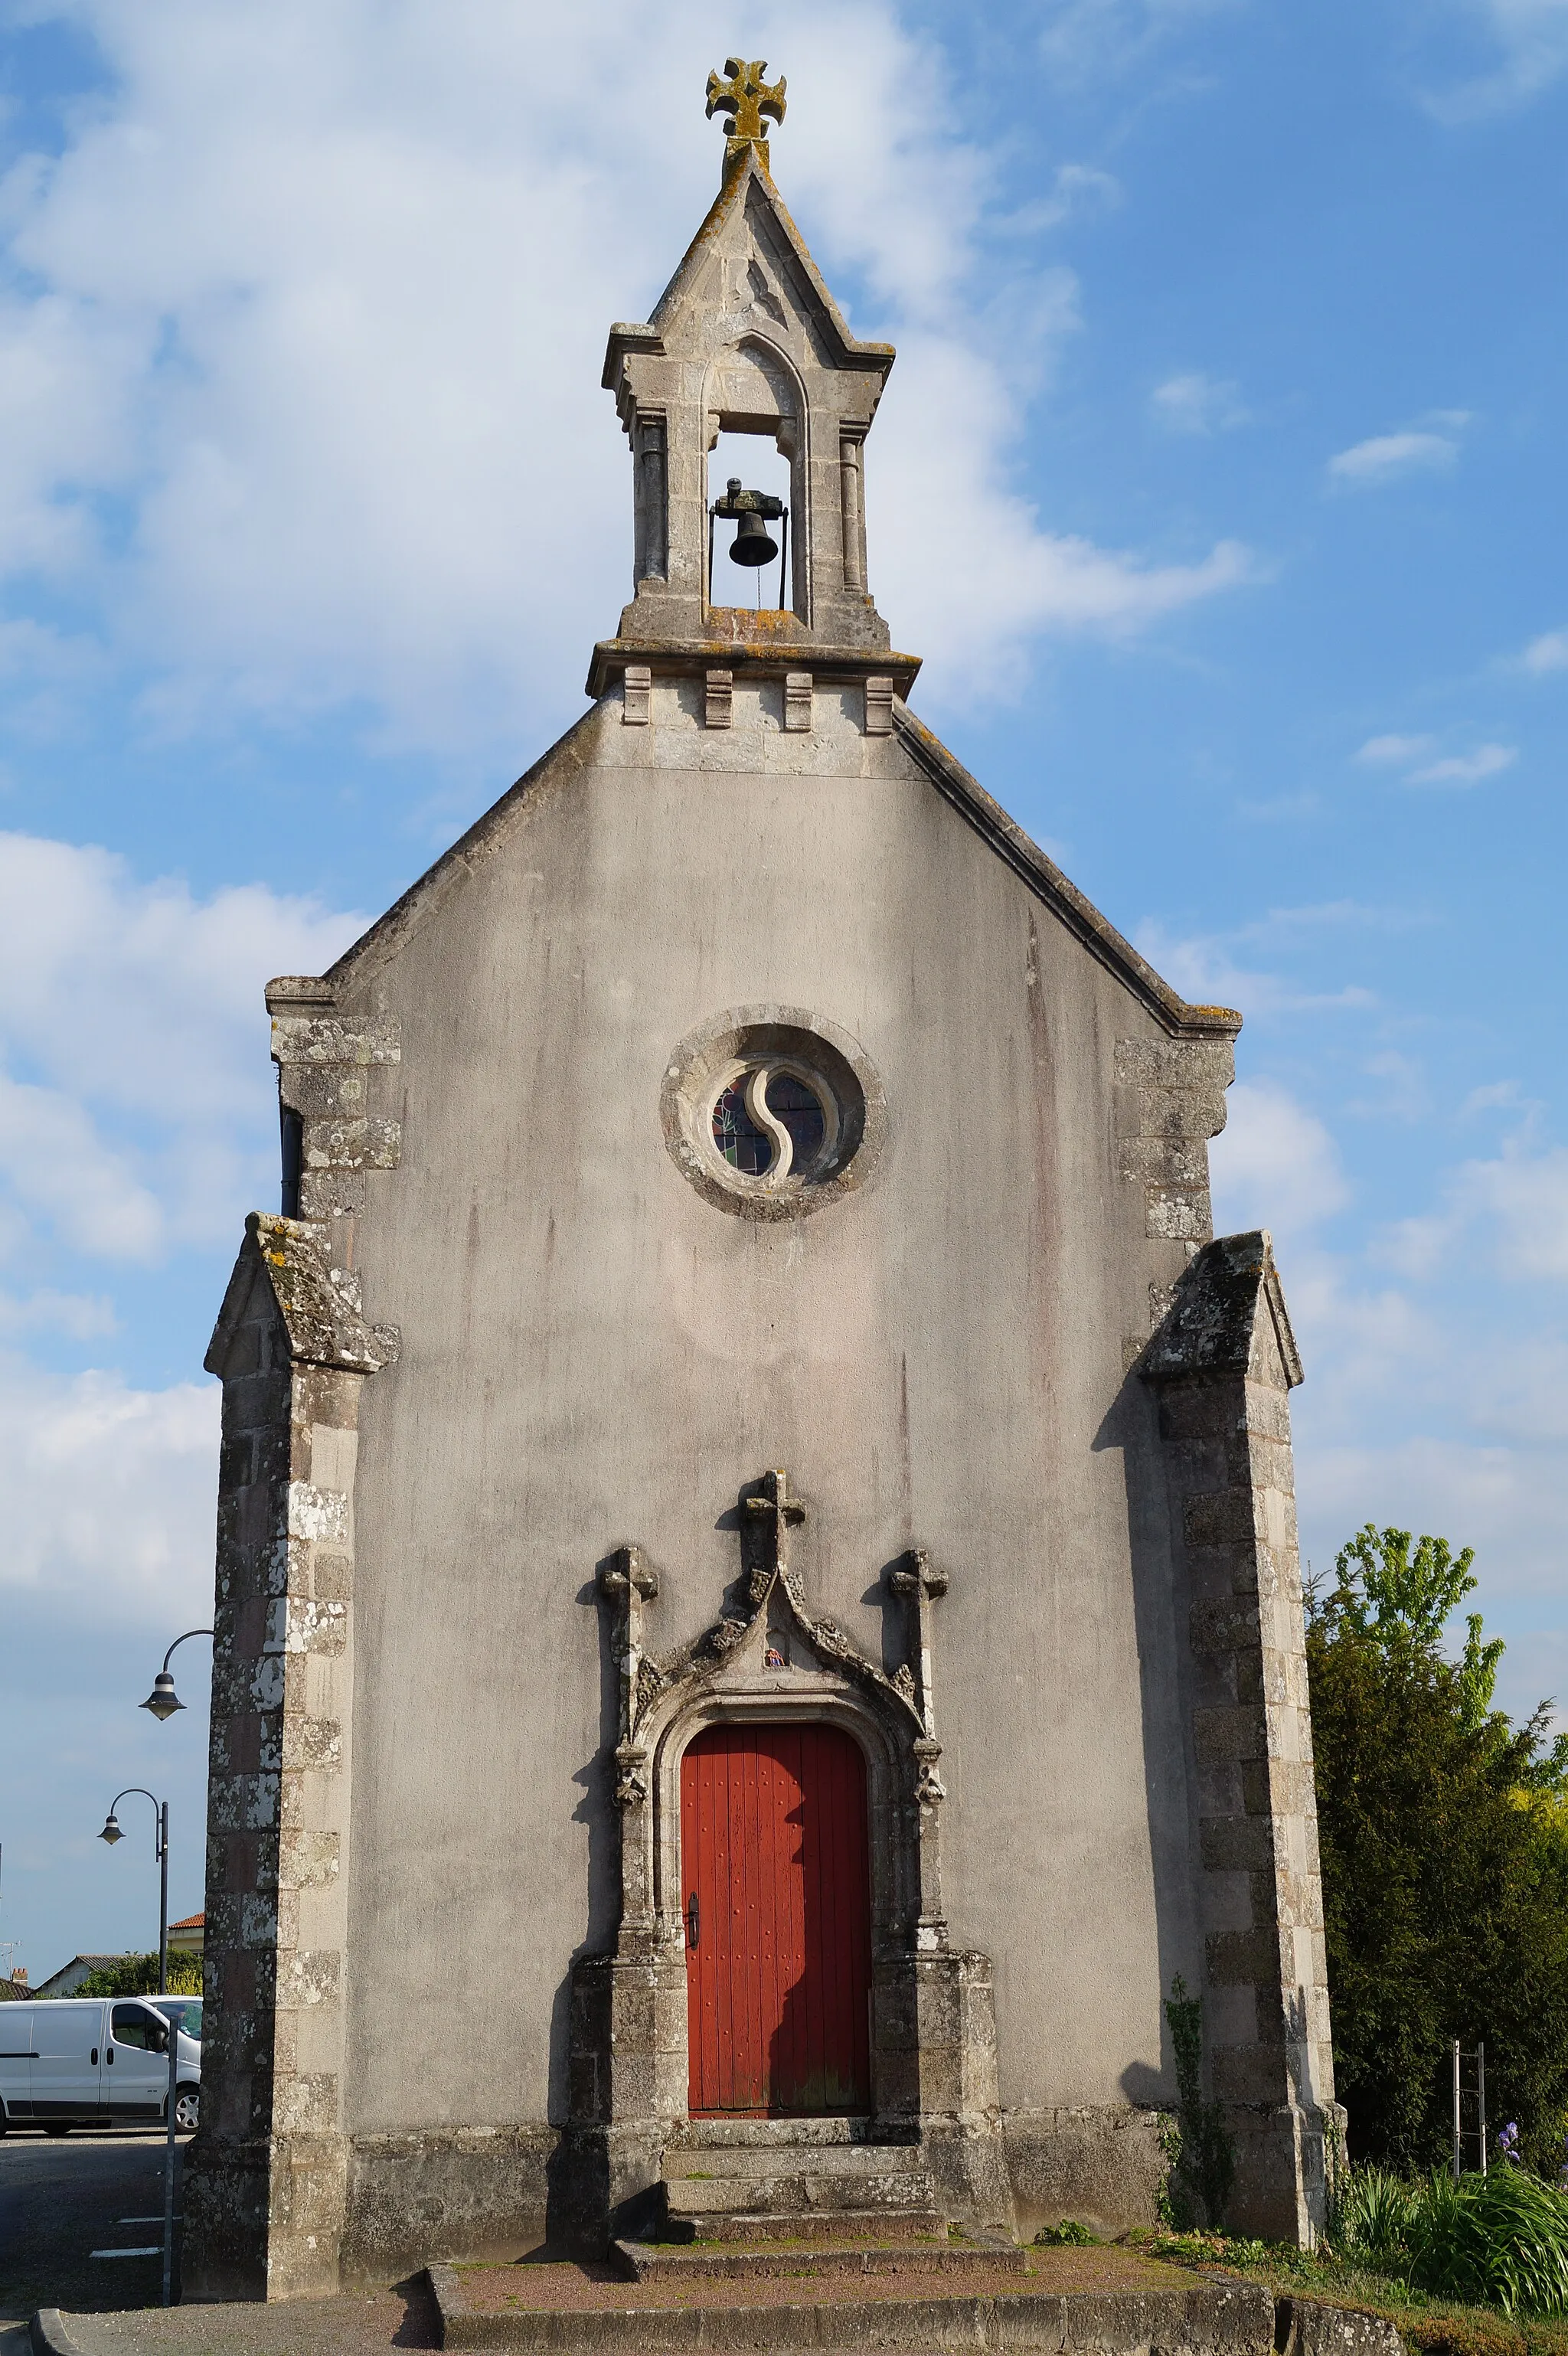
(933, 2077)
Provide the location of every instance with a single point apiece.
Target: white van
(74, 2061)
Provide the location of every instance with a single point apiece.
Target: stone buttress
(266, 2182)
(1223, 1363)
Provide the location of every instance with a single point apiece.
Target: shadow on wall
(596, 1808)
(1160, 1616)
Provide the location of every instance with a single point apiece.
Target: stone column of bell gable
(1225, 1361)
(267, 2180)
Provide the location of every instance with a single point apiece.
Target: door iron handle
(693, 1922)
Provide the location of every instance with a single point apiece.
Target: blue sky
(1220, 482)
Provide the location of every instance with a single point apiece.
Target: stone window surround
(820, 1052)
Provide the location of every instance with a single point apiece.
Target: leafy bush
(1498, 2240)
(1371, 2218)
(1069, 2234)
(138, 1975)
(1215, 2249)
(1502, 2237)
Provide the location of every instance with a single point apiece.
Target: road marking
(153, 2250)
(147, 2220)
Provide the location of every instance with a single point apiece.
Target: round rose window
(769, 1121)
(771, 1112)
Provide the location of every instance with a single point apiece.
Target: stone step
(711, 2161)
(739, 2226)
(494, 2308)
(662, 2262)
(704, 2196)
(711, 2135)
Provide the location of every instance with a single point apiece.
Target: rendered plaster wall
(592, 1354)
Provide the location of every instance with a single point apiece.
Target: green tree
(1445, 1849)
(138, 1975)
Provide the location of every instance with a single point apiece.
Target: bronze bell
(753, 544)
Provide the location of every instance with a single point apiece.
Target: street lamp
(112, 1833)
(162, 1701)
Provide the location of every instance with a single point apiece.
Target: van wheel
(188, 2109)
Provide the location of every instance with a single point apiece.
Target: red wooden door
(778, 1933)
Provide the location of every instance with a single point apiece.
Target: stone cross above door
(772, 1513)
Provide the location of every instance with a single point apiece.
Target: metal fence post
(1481, 2099)
(1458, 2161)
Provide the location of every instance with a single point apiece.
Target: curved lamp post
(112, 1833)
(162, 1701)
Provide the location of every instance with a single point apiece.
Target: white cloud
(1437, 1391)
(979, 597)
(1195, 403)
(1086, 41)
(1395, 750)
(110, 1491)
(1530, 37)
(134, 1085)
(1466, 768)
(1519, 1203)
(1076, 189)
(85, 1317)
(1492, 1497)
(1547, 653)
(1451, 769)
(1274, 1164)
(1509, 1214)
(1386, 456)
(311, 309)
(56, 1163)
(1204, 969)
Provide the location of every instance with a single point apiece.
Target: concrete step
(661, 2261)
(739, 2226)
(699, 2195)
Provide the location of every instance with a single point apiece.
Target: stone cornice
(748, 657)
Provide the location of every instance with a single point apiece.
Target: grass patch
(1429, 2323)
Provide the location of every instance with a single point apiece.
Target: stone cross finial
(745, 98)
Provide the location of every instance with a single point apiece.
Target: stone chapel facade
(757, 1601)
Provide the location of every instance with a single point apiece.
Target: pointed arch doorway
(776, 1876)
